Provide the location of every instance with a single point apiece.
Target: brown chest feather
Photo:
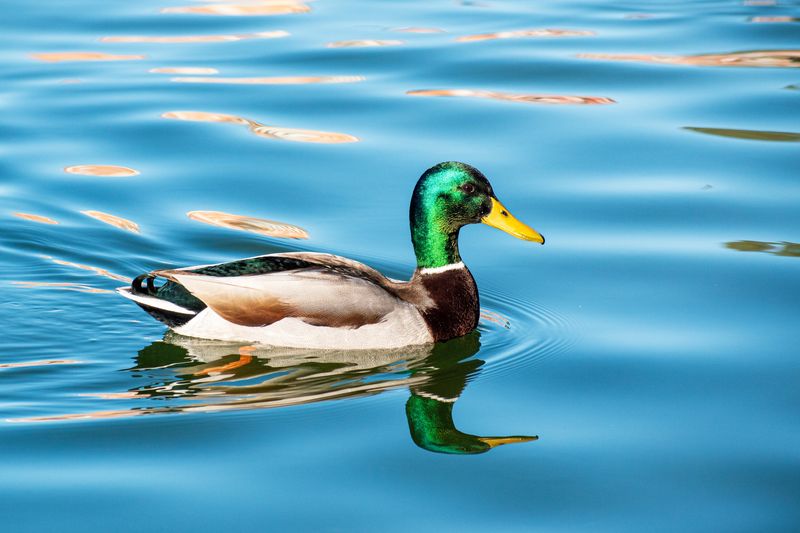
(454, 309)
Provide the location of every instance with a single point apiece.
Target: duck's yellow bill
(500, 218)
(499, 441)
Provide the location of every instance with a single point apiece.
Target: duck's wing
(320, 289)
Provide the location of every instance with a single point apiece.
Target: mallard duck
(317, 300)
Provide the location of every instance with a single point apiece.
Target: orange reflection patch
(275, 80)
(528, 98)
(113, 220)
(36, 218)
(272, 132)
(177, 39)
(363, 43)
(269, 228)
(516, 34)
(107, 171)
(56, 57)
(766, 58)
(261, 8)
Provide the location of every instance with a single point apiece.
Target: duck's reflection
(217, 376)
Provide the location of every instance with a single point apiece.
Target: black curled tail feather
(149, 289)
(171, 292)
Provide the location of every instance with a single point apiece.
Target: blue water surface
(651, 345)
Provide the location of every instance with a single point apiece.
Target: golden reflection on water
(107, 171)
(43, 362)
(177, 39)
(184, 70)
(275, 80)
(271, 132)
(364, 43)
(269, 228)
(753, 135)
(36, 218)
(77, 287)
(56, 57)
(783, 248)
(99, 271)
(516, 34)
(758, 58)
(528, 98)
(259, 8)
(113, 220)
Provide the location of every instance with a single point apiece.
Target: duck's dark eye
(468, 188)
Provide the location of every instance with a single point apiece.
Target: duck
(324, 301)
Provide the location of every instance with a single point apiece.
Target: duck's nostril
(504, 213)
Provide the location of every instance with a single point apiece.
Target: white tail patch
(154, 302)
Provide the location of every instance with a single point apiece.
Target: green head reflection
(429, 410)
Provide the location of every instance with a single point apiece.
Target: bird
(324, 301)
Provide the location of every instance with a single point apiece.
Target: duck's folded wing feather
(319, 294)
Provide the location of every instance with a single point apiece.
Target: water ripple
(516, 333)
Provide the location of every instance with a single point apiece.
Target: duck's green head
(451, 195)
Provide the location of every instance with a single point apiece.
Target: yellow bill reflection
(113, 220)
(517, 34)
(272, 132)
(527, 98)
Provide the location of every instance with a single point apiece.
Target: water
(651, 345)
